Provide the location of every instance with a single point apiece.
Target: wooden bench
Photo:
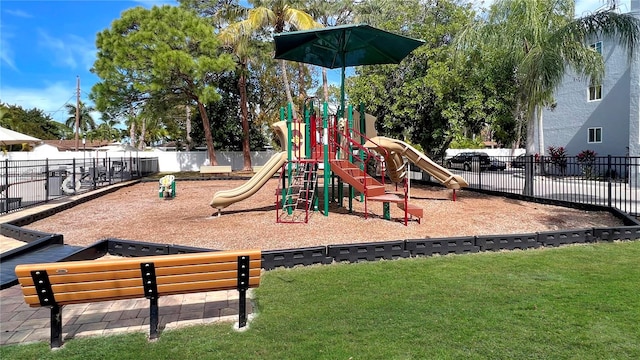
(57, 284)
(215, 169)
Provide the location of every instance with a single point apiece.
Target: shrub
(587, 159)
(558, 157)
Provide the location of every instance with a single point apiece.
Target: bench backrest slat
(77, 276)
(93, 281)
(86, 286)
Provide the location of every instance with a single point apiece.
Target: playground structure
(326, 153)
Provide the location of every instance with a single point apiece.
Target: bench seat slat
(138, 292)
(77, 277)
(75, 267)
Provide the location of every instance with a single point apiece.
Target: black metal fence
(611, 181)
(25, 183)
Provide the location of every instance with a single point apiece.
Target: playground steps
(318, 154)
(357, 178)
(411, 209)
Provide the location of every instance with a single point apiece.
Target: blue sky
(45, 45)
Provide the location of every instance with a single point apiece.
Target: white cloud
(18, 13)
(583, 7)
(152, 3)
(50, 100)
(72, 51)
(6, 53)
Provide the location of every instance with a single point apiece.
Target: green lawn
(577, 302)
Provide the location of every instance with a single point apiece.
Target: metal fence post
(609, 180)
(6, 184)
(46, 179)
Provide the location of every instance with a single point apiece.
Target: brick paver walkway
(20, 323)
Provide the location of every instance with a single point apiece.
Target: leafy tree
(33, 122)
(276, 15)
(431, 97)
(165, 53)
(107, 129)
(86, 123)
(542, 40)
(330, 13)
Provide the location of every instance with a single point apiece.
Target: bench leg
(56, 326)
(153, 318)
(242, 308)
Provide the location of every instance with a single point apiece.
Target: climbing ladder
(300, 194)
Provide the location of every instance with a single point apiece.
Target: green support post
(307, 136)
(283, 191)
(386, 211)
(350, 133)
(325, 144)
(289, 148)
(363, 132)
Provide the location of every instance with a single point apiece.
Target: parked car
(519, 161)
(469, 161)
(497, 164)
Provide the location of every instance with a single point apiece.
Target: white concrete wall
(169, 161)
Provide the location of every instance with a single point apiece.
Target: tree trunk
(531, 150)
(188, 128)
(132, 133)
(325, 85)
(141, 143)
(301, 87)
(246, 152)
(287, 88)
(132, 128)
(540, 130)
(207, 133)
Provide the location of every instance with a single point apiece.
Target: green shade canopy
(344, 46)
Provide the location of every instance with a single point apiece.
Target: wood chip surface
(137, 213)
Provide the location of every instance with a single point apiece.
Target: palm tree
(238, 40)
(544, 40)
(86, 121)
(107, 129)
(277, 14)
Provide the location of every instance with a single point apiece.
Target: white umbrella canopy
(117, 147)
(10, 137)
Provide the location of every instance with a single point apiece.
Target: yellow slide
(224, 198)
(395, 169)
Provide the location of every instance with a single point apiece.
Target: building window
(597, 47)
(595, 135)
(595, 92)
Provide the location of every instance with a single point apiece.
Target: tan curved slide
(395, 165)
(224, 198)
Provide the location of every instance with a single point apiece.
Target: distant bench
(215, 169)
(78, 282)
